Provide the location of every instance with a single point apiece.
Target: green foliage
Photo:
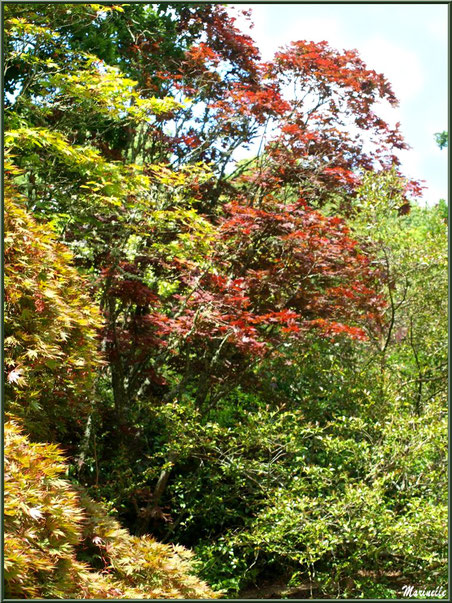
(56, 538)
(87, 190)
(412, 248)
(442, 139)
(230, 411)
(356, 500)
(350, 506)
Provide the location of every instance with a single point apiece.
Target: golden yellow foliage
(50, 525)
(51, 328)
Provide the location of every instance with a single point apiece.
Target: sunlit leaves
(103, 88)
(50, 322)
(50, 525)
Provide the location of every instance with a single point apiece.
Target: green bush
(350, 532)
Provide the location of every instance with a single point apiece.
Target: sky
(405, 42)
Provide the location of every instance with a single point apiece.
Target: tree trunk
(119, 392)
(162, 481)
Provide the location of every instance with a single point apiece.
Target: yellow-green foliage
(50, 526)
(42, 520)
(51, 327)
(142, 566)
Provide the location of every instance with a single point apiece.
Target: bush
(51, 326)
(59, 544)
(352, 532)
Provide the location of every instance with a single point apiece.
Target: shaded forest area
(220, 374)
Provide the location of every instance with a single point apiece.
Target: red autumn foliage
(277, 271)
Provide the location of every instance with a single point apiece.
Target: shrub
(51, 347)
(59, 544)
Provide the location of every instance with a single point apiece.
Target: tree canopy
(236, 357)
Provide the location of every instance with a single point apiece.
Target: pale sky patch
(400, 66)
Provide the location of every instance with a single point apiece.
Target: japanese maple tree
(199, 271)
(51, 329)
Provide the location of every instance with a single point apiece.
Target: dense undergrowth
(217, 373)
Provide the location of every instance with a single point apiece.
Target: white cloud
(433, 193)
(317, 30)
(399, 65)
(269, 39)
(412, 163)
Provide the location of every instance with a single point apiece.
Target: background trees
(239, 339)
(442, 139)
